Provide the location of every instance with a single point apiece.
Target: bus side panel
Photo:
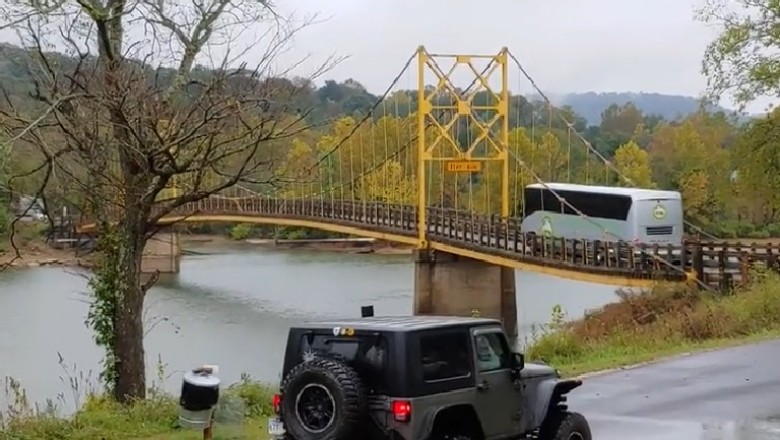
(575, 227)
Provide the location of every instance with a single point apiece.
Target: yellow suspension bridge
(444, 167)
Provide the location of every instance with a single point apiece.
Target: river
(231, 308)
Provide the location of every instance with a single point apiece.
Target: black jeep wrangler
(417, 378)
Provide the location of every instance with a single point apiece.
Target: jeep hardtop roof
(399, 323)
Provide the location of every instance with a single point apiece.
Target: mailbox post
(198, 399)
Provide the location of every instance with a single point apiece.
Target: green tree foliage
(757, 174)
(618, 125)
(241, 231)
(743, 58)
(106, 285)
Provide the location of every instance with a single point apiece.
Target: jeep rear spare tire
(324, 399)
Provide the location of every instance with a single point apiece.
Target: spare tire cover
(324, 399)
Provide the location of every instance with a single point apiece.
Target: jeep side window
(492, 352)
(445, 356)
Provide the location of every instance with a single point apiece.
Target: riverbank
(350, 245)
(36, 253)
(665, 321)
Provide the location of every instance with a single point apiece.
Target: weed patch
(242, 413)
(665, 320)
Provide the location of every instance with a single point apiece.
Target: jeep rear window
(367, 354)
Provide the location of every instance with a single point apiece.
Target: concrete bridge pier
(162, 253)
(447, 284)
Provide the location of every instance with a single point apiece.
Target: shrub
(663, 319)
(241, 231)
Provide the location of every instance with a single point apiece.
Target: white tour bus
(620, 214)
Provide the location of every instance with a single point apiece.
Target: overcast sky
(566, 45)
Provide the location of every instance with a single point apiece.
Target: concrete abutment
(448, 284)
(162, 253)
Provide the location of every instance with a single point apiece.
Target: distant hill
(590, 105)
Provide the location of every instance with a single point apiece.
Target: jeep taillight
(402, 410)
(277, 403)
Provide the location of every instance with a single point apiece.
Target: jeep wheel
(324, 399)
(565, 426)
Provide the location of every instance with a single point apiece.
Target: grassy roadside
(242, 413)
(664, 321)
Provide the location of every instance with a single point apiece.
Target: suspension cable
(369, 113)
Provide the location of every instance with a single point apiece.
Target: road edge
(669, 358)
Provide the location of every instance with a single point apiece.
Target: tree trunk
(129, 349)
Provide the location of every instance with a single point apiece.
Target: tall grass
(664, 320)
(241, 413)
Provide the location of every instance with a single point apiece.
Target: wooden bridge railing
(720, 264)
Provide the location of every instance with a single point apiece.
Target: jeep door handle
(483, 386)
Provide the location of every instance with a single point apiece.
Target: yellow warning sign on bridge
(464, 166)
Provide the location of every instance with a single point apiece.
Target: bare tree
(118, 129)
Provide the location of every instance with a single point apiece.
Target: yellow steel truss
(494, 132)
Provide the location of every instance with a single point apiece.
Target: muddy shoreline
(360, 246)
(40, 254)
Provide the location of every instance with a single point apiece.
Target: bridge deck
(492, 239)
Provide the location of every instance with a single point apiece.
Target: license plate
(276, 427)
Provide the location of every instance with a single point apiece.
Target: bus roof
(634, 193)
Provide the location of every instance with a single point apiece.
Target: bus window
(607, 206)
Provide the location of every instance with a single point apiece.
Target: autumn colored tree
(676, 149)
(388, 184)
(296, 172)
(546, 160)
(633, 164)
(697, 195)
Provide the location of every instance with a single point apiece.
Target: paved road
(733, 394)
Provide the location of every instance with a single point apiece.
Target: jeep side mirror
(518, 361)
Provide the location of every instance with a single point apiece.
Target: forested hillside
(728, 172)
(590, 105)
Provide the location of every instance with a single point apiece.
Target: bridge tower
(163, 251)
(447, 284)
